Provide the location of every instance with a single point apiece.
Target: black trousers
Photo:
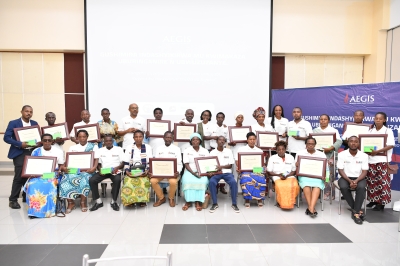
(97, 178)
(18, 181)
(360, 193)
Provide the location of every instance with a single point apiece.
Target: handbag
(138, 166)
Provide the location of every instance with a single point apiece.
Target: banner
(340, 102)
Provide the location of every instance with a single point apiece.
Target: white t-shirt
(208, 130)
(79, 148)
(304, 128)
(129, 122)
(246, 149)
(72, 134)
(189, 154)
(53, 153)
(110, 157)
(389, 142)
(225, 157)
(171, 151)
(24, 124)
(277, 165)
(352, 165)
(219, 131)
(184, 145)
(280, 125)
(137, 158)
(257, 128)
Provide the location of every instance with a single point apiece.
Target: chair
(353, 192)
(321, 199)
(86, 261)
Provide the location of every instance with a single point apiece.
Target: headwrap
(258, 111)
(238, 113)
(195, 135)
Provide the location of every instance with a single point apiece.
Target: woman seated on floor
(281, 169)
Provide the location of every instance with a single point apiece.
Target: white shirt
(279, 166)
(304, 128)
(189, 154)
(129, 122)
(246, 149)
(79, 148)
(219, 131)
(137, 158)
(225, 157)
(24, 124)
(53, 153)
(389, 142)
(280, 125)
(258, 128)
(184, 145)
(352, 165)
(171, 151)
(72, 134)
(155, 143)
(208, 130)
(110, 157)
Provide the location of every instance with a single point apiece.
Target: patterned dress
(253, 185)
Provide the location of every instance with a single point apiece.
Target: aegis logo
(359, 99)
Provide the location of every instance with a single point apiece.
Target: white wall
(394, 13)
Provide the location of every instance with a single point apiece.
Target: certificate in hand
(37, 166)
(57, 130)
(376, 140)
(157, 128)
(311, 167)
(182, 132)
(79, 160)
(248, 160)
(205, 165)
(93, 131)
(354, 129)
(238, 134)
(267, 140)
(324, 140)
(26, 134)
(163, 167)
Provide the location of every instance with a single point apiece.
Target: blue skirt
(253, 186)
(311, 182)
(72, 186)
(41, 197)
(194, 188)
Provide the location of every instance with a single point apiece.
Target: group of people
(126, 149)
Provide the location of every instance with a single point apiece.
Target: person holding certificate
(168, 150)
(74, 185)
(85, 115)
(136, 186)
(358, 118)
(111, 161)
(311, 186)
(108, 127)
(194, 186)
(156, 142)
(378, 179)
(206, 129)
(282, 169)
(18, 151)
(50, 118)
(189, 115)
(224, 171)
(259, 115)
(253, 184)
(324, 127)
(130, 124)
(278, 121)
(41, 193)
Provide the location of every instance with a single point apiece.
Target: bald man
(130, 124)
(85, 116)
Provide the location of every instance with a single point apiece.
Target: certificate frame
(272, 135)
(68, 156)
(355, 124)
(90, 138)
(152, 165)
(65, 130)
(256, 154)
(363, 137)
(35, 159)
(233, 128)
(310, 158)
(202, 171)
(150, 121)
(176, 128)
(327, 135)
(17, 130)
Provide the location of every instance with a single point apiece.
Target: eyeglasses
(47, 140)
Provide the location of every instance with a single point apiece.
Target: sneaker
(235, 208)
(213, 208)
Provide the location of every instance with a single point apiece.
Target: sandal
(260, 203)
(143, 204)
(84, 207)
(71, 206)
(247, 205)
(326, 196)
(186, 206)
(199, 206)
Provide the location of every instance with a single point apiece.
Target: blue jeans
(229, 179)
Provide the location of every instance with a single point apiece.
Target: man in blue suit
(18, 151)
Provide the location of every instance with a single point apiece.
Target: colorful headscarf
(258, 111)
(238, 113)
(195, 135)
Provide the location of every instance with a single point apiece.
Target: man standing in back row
(130, 124)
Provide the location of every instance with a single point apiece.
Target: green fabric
(201, 132)
(104, 171)
(136, 189)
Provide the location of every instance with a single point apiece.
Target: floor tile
(24, 255)
(184, 255)
(236, 254)
(137, 233)
(289, 254)
(275, 233)
(90, 234)
(229, 233)
(191, 216)
(184, 234)
(44, 234)
(9, 232)
(20, 217)
(319, 233)
(365, 233)
(391, 229)
(386, 216)
(128, 250)
(105, 216)
(385, 253)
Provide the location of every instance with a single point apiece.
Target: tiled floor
(255, 236)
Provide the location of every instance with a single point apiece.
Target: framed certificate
(248, 160)
(311, 167)
(205, 165)
(37, 166)
(28, 134)
(238, 134)
(354, 129)
(157, 128)
(57, 131)
(92, 129)
(267, 140)
(163, 167)
(370, 142)
(324, 140)
(80, 160)
(182, 132)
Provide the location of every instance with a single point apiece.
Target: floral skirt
(378, 184)
(41, 197)
(135, 189)
(72, 186)
(253, 186)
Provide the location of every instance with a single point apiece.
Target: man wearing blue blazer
(18, 151)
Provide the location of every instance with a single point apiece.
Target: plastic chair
(86, 261)
(353, 192)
